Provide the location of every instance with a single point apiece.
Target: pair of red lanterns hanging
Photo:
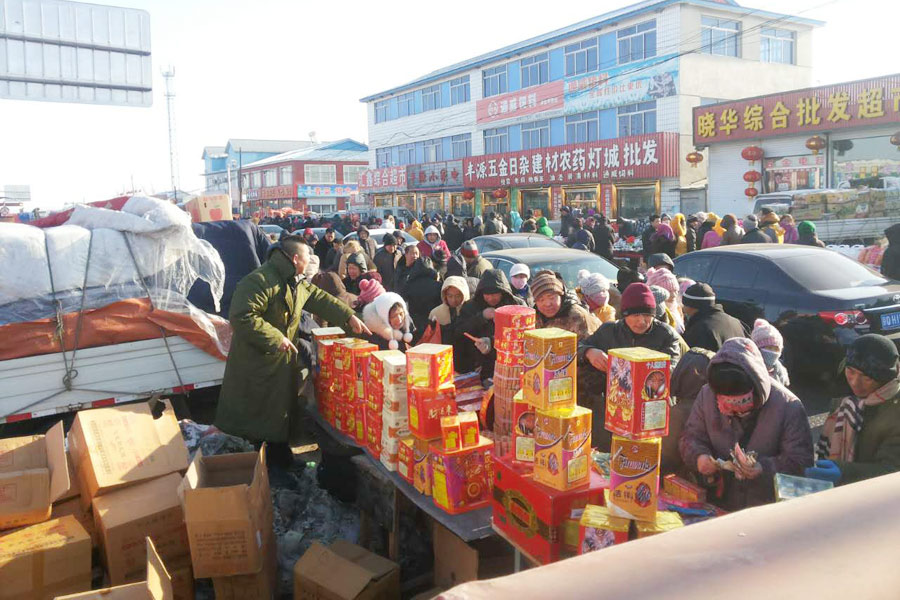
(752, 154)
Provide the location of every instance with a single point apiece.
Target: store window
(406, 104)
(536, 134)
(459, 90)
(498, 206)
(583, 127)
(256, 178)
(434, 150)
(637, 119)
(383, 201)
(407, 201)
(496, 140)
(864, 161)
(245, 181)
(431, 98)
(286, 175)
(535, 69)
(382, 158)
(319, 174)
(382, 111)
(461, 207)
(352, 173)
(776, 46)
(581, 198)
(720, 36)
(270, 177)
(537, 201)
(431, 203)
(637, 202)
(461, 145)
(494, 81)
(786, 173)
(582, 57)
(407, 154)
(637, 42)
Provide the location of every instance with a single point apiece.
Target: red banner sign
(388, 179)
(855, 104)
(528, 101)
(638, 157)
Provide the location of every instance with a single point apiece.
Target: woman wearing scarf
(665, 279)
(713, 237)
(663, 240)
(740, 411)
(679, 226)
(790, 229)
(861, 439)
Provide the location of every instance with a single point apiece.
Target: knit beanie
(664, 278)
(699, 296)
(389, 239)
(751, 222)
(469, 249)
(765, 335)
(369, 289)
(592, 284)
(660, 259)
(806, 228)
(660, 296)
(546, 281)
(638, 300)
(358, 259)
(875, 356)
(684, 285)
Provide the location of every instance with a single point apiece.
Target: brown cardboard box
(33, 475)
(228, 512)
(157, 584)
(124, 518)
(122, 445)
(344, 571)
(72, 507)
(74, 491)
(215, 207)
(182, 577)
(45, 560)
(456, 562)
(258, 586)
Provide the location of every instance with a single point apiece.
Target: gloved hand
(484, 345)
(825, 470)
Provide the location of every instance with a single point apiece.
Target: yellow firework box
(429, 366)
(634, 478)
(562, 447)
(665, 521)
(550, 363)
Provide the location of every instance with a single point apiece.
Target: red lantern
(468, 195)
(752, 176)
(751, 192)
(895, 140)
(499, 193)
(694, 158)
(752, 153)
(815, 143)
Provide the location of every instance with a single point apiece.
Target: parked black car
(565, 261)
(819, 299)
(504, 241)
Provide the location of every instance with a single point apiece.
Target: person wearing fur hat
(366, 242)
(771, 344)
(454, 293)
(593, 289)
(666, 280)
(557, 308)
(861, 439)
(356, 272)
(388, 319)
(742, 410)
(432, 242)
(706, 323)
(519, 275)
(637, 327)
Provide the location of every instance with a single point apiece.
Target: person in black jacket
(690, 236)
(422, 291)
(324, 245)
(490, 226)
(453, 235)
(566, 221)
(637, 327)
(752, 233)
(890, 261)
(477, 319)
(387, 259)
(706, 324)
(646, 236)
(604, 238)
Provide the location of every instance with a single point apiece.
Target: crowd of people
(730, 394)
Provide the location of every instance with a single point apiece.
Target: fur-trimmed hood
(376, 316)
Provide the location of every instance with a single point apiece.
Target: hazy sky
(280, 69)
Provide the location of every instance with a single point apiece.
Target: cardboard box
(456, 561)
(461, 480)
(123, 445)
(562, 447)
(344, 571)
(256, 586)
(523, 423)
(228, 511)
(215, 207)
(34, 473)
(389, 367)
(405, 461)
(468, 429)
(599, 529)
(536, 517)
(427, 407)
(550, 365)
(665, 521)
(429, 366)
(46, 560)
(682, 489)
(72, 507)
(451, 434)
(637, 393)
(634, 478)
(124, 518)
(157, 584)
(182, 578)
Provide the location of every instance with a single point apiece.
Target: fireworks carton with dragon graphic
(637, 393)
(562, 447)
(634, 478)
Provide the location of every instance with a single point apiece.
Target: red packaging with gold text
(523, 430)
(421, 472)
(451, 434)
(514, 318)
(429, 366)
(405, 460)
(637, 393)
(426, 407)
(469, 430)
(461, 480)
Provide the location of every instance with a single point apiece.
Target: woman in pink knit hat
(665, 279)
(771, 344)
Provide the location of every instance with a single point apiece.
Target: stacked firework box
(387, 415)
(510, 325)
(637, 413)
(323, 373)
(349, 390)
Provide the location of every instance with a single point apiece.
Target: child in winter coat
(454, 293)
(771, 344)
(388, 319)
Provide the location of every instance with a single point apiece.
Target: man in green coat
(861, 439)
(262, 375)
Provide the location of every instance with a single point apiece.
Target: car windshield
(543, 242)
(569, 268)
(828, 271)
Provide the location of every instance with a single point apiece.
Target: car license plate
(890, 321)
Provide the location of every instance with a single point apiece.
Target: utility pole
(240, 182)
(169, 74)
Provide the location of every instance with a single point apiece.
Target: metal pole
(240, 183)
(169, 75)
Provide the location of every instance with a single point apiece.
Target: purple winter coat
(781, 436)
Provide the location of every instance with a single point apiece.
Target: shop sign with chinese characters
(444, 175)
(529, 101)
(638, 157)
(325, 191)
(276, 193)
(855, 104)
(388, 179)
(637, 82)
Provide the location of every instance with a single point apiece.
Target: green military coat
(261, 384)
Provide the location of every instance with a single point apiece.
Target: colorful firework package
(511, 324)
(469, 431)
(461, 480)
(523, 430)
(599, 529)
(405, 460)
(550, 362)
(562, 447)
(637, 393)
(665, 521)
(429, 366)
(634, 478)
(427, 407)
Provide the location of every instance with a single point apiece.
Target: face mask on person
(735, 406)
(770, 357)
(519, 282)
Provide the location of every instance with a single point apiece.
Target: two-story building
(596, 115)
(320, 179)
